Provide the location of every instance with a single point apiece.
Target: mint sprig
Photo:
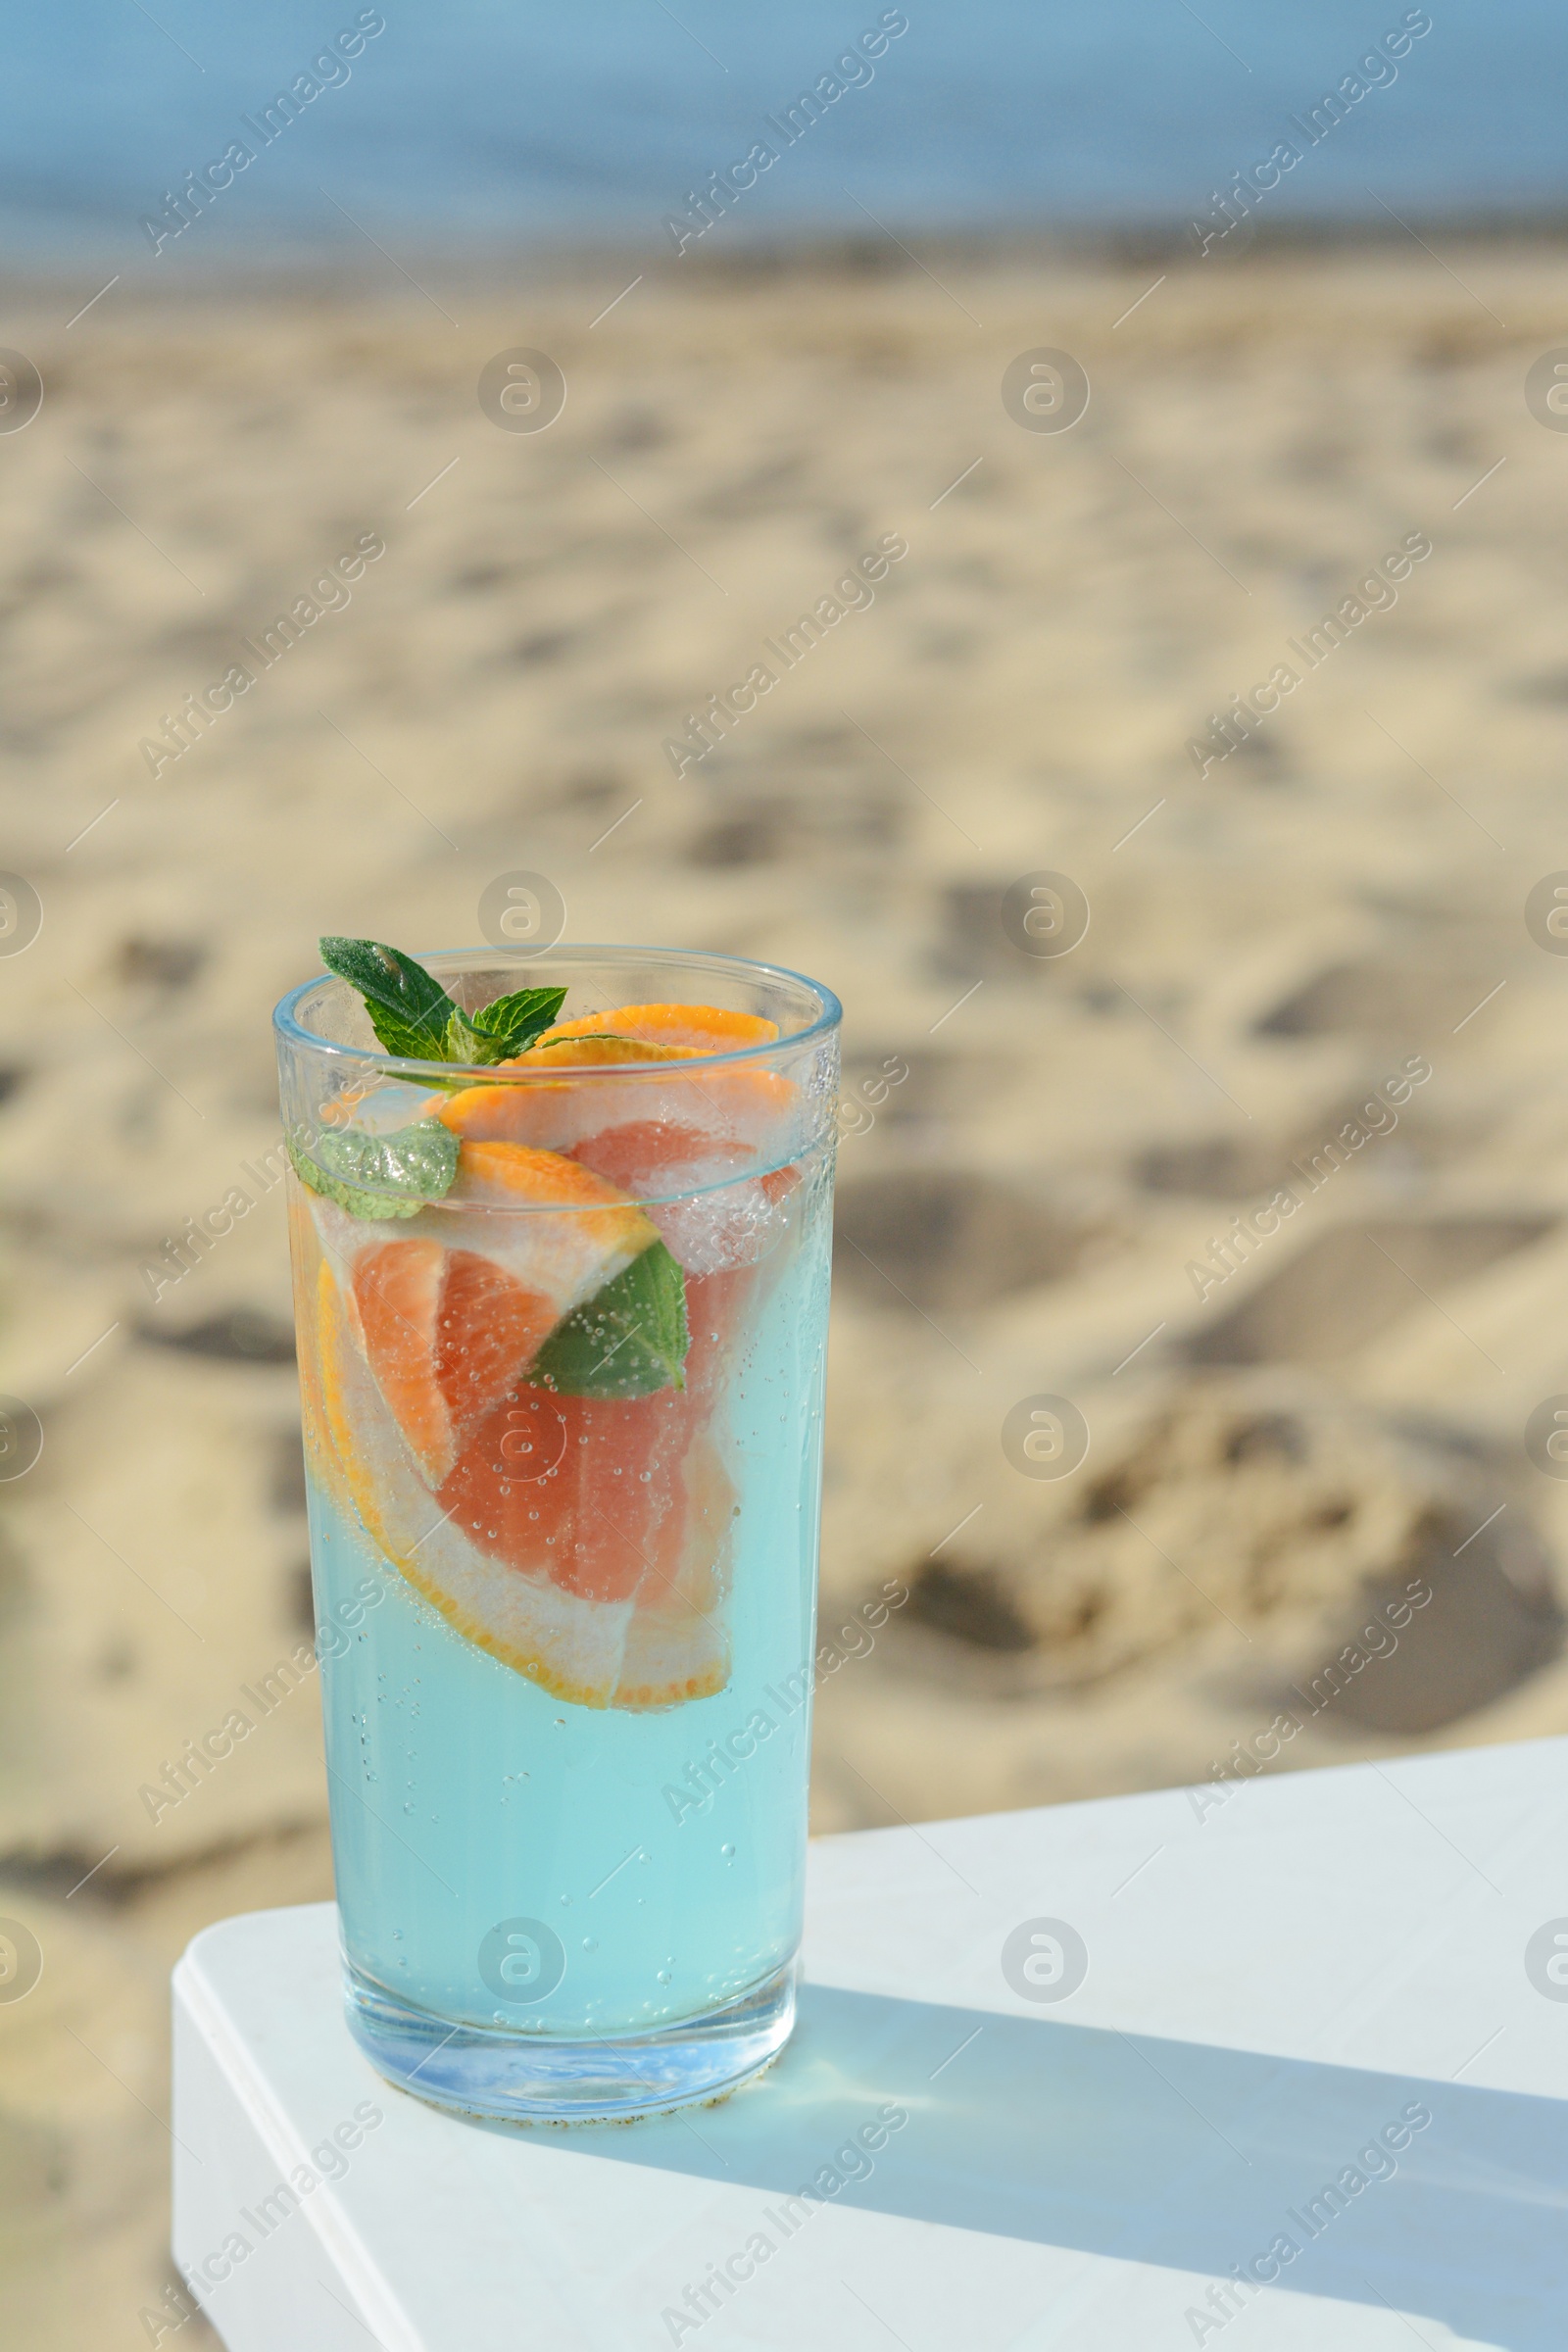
(629, 1340)
(415, 1018)
(631, 1337)
(380, 1176)
(506, 1026)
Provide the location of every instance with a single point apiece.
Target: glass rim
(828, 1017)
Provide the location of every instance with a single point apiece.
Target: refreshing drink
(561, 1303)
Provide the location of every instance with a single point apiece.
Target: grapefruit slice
(544, 1545)
(698, 1028)
(710, 1213)
(448, 1310)
(751, 1106)
(686, 1156)
(569, 1647)
(684, 1145)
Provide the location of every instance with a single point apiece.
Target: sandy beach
(1288, 1471)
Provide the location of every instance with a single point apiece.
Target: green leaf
(413, 1018)
(527, 1011)
(461, 1041)
(377, 1206)
(627, 1341)
(508, 1025)
(380, 1175)
(408, 1011)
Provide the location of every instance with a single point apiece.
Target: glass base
(526, 2079)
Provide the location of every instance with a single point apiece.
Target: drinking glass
(563, 1550)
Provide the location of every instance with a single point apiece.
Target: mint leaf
(413, 1018)
(375, 1205)
(508, 1025)
(504, 1027)
(629, 1340)
(408, 1011)
(380, 1175)
(420, 1159)
(460, 1040)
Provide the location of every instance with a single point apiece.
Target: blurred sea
(487, 124)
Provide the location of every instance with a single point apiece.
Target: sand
(1273, 1467)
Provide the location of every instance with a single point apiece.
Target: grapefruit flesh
(710, 1214)
(592, 1487)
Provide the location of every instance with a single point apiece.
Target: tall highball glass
(563, 1410)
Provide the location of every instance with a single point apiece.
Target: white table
(1271, 1982)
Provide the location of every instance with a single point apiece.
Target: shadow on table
(1165, 2152)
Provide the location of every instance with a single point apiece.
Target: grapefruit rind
(700, 1028)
